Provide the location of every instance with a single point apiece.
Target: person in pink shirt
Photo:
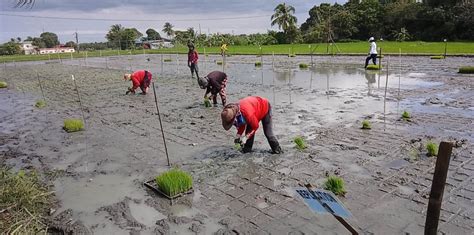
(193, 60)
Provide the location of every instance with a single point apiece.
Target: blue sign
(323, 202)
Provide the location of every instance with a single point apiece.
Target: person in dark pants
(246, 115)
(193, 60)
(215, 82)
(372, 52)
(140, 78)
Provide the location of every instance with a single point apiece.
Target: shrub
(437, 57)
(167, 60)
(258, 64)
(219, 62)
(73, 125)
(406, 115)
(366, 125)
(432, 149)
(466, 69)
(24, 201)
(300, 143)
(3, 84)
(374, 67)
(174, 182)
(303, 66)
(335, 184)
(40, 104)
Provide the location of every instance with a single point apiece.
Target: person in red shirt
(246, 115)
(140, 78)
(193, 60)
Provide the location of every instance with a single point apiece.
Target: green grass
(3, 84)
(73, 125)
(166, 60)
(40, 104)
(219, 62)
(406, 115)
(366, 125)
(335, 184)
(207, 103)
(258, 64)
(303, 66)
(466, 69)
(174, 182)
(359, 48)
(432, 149)
(25, 201)
(300, 143)
(437, 57)
(373, 67)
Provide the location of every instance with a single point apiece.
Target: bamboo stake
(161, 125)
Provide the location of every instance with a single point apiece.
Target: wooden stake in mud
(106, 62)
(437, 187)
(380, 65)
(40, 85)
(161, 125)
(83, 116)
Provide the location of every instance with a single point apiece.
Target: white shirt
(373, 48)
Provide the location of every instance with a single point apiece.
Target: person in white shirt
(372, 53)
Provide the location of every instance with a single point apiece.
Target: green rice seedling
(73, 125)
(432, 149)
(40, 104)
(258, 64)
(406, 115)
(335, 184)
(300, 143)
(437, 57)
(366, 125)
(25, 201)
(466, 69)
(374, 67)
(3, 84)
(207, 103)
(174, 182)
(303, 66)
(237, 146)
(167, 60)
(219, 62)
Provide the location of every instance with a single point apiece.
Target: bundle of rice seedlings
(219, 62)
(366, 125)
(167, 60)
(374, 67)
(258, 64)
(303, 66)
(300, 143)
(466, 69)
(73, 125)
(207, 103)
(3, 84)
(432, 149)
(174, 182)
(40, 104)
(291, 55)
(406, 115)
(335, 184)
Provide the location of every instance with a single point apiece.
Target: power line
(131, 20)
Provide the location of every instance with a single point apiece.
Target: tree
(285, 19)
(401, 35)
(168, 29)
(70, 44)
(10, 48)
(38, 42)
(49, 39)
(152, 34)
(29, 38)
(122, 37)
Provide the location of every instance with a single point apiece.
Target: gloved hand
(244, 139)
(129, 91)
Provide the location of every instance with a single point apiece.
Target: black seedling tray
(152, 185)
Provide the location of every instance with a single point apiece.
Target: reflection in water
(370, 76)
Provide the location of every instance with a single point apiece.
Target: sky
(208, 16)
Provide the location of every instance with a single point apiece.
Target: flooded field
(97, 174)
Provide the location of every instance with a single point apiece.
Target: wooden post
(161, 125)
(437, 187)
(445, 48)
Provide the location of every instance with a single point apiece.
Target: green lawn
(359, 48)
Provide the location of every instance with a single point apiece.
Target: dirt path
(98, 173)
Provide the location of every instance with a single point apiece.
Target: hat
(127, 76)
(228, 116)
(371, 39)
(203, 82)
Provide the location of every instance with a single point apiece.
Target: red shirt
(193, 57)
(254, 109)
(138, 79)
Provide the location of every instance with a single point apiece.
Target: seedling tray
(152, 185)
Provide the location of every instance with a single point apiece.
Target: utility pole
(77, 41)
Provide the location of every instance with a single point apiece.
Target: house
(28, 48)
(156, 44)
(54, 50)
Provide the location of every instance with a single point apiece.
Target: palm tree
(168, 29)
(284, 17)
(22, 3)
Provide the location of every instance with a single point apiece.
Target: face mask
(239, 120)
